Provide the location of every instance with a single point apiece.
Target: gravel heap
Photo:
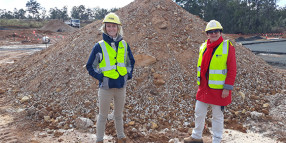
(165, 41)
(57, 26)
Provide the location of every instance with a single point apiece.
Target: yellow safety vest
(113, 63)
(217, 67)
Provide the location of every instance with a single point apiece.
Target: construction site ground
(44, 88)
(16, 129)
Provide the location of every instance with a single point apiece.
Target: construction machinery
(73, 23)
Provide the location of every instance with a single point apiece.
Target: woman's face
(111, 29)
(213, 35)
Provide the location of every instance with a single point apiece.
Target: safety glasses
(213, 31)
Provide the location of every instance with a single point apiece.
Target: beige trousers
(105, 96)
(217, 121)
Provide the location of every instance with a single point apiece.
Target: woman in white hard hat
(215, 77)
(111, 62)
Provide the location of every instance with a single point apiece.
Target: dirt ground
(14, 128)
(17, 128)
(16, 44)
(45, 91)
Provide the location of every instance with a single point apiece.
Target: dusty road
(274, 53)
(11, 53)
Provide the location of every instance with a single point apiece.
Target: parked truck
(73, 23)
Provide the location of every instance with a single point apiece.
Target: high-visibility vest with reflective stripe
(113, 63)
(217, 67)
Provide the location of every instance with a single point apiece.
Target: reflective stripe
(125, 53)
(218, 71)
(108, 68)
(105, 54)
(199, 79)
(203, 46)
(121, 64)
(224, 49)
(199, 69)
(216, 82)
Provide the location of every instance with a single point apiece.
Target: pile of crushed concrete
(57, 26)
(55, 89)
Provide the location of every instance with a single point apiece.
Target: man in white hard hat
(216, 72)
(111, 62)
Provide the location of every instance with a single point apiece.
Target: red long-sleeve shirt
(213, 96)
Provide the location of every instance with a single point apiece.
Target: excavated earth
(16, 43)
(58, 26)
(52, 88)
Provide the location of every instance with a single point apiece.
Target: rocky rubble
(165, 41)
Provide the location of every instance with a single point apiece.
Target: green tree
(78, 12)
(87, 14)
(75, 13)
(113, 9)
(100, 13)
(56, 13)
(236, 16)
(33, 7)
(43, 15)
(6, 14)
(64, 13)
(193, 6)
(21, 13)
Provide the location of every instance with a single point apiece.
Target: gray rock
(83, 123)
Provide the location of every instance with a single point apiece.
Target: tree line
(236, 16)
(240, 16)
(34, 10)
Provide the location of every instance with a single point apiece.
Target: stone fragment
(159, 82)
(131, 123)
(24, 99)
(58, 133)
(31, 111)
(175, 140)
(2, 91)
(154, 125)
(42, 134)
(256, 115)
(47, 118)
(254, 97)
(50, 131)
(243, 111)
(58, 89)
(266, 105)
(43, 112)
(144, 60)
(266, 112)
(242, 95)
(83, 123)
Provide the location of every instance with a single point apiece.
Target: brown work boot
(192, 140)
(122, 140)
